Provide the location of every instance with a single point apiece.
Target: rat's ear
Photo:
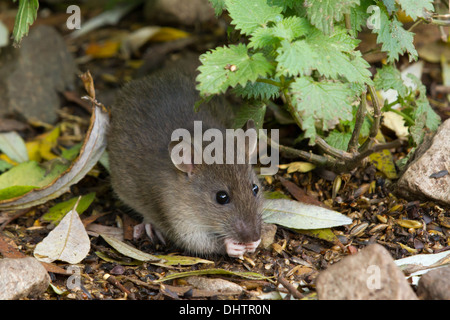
(185, 162)
(250, 125)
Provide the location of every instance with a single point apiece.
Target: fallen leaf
(12, 145)
(174, 260)
(324, 234)
(57, 212)
(27, 176)
(128, 250)
(246, 275)
(68, 241)
(419, 264)
(93, 148)
(298, 166)
(297, 215)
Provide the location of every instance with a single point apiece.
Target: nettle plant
(302, 56)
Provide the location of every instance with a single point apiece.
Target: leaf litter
(298, 255)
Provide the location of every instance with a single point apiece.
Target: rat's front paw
(237, 249)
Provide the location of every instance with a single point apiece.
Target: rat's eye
(222, 197)
(255, 189)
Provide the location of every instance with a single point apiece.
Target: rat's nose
(247, 231)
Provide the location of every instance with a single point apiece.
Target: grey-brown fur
(182, 207)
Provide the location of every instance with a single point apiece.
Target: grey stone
(32, 75)
(435, 285)
(20, 278)
(432, 156)
(371, 274)
(183, 12)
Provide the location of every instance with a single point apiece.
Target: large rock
(435, 285)
(420, 180)
(371, 274)
(182, 12)
(32, 75)
(21, 278)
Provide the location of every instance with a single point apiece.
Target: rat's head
(225, 205)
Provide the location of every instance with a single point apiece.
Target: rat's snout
(247, 232)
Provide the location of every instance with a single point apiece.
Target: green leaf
(339, 139)
(336, 56)
(291, 28)
(248, 15)
(263, 37)
(59, 210)
(394, 38)
(215, 72)
(218, 5)
(389, 77)
(415, 8)
(242, 274)
(257, 90)
(323, 13)
(390, 5)
(247, 112)
(359, 15)
(25, 17)
(295, 58)
(4, 165)
(324, 103)
(30, 174)
(128, 250)
(174, 260)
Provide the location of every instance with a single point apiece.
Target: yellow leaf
(33, 150)
(383, 160)
(298, 166)
(48, 141)
(106, 49)
(410, 250)
(168, 34)
(409, 223)
(7, 159)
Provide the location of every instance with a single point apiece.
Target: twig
(14, 217)
(292, 290)
(111, 279)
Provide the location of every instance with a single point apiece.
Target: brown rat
(202, 208)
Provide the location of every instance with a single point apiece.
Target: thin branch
(338, 153)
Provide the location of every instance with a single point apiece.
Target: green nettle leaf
(229, 66)
(295, 58)
(416, 8)
(390, 5)
(323, 13)
(291, 27)
(333, 58)
(339, 139)
(263, 37)
(359, 15)
(394, 38)
(218, 5)
(26, 14)
(258, 90)
(323, 102)
(248, 15)
(389, 77)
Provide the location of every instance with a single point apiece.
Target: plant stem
(360, 115)
(269, 81)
